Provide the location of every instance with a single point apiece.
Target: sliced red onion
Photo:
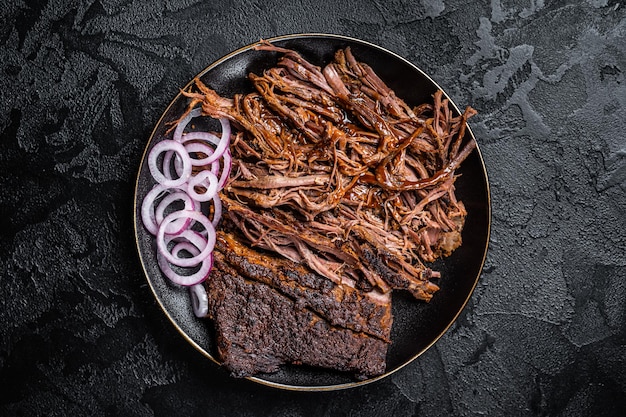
(178, 132)
(149, 204)
(217, 210)
(147, 208)
(185, 246)
(167, 164)
(206, 179)
(192, 148)
(190, 236)
(193, 243)
(203, 136)
(195, 147)
(199, 218)
(176, 232)
(217, 213)
(199, 300)
(181, 279)
(164, 146)
(179, 225)
(228, 164)
(222, 143)
(216, 153)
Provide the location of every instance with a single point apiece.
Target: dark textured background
(82, 85)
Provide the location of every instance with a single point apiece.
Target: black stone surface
(82, 85)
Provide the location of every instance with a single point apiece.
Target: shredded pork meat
(333, 171)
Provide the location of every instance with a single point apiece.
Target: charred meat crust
(259, 329)
(340, 305)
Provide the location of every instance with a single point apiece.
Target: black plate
(417, 325)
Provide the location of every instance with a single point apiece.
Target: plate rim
(137, 220)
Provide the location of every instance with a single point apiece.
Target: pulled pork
(333, 171)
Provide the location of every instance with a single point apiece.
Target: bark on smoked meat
(340, 305)
(259, 329)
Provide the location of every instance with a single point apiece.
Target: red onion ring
(222, 143)
(173, 231)
(191, 149)
(179, 225)
(192, 242)
(226, 170)
(191, 236)
(148, 206)
(185, 280)
(217, 210)
(199, 300)
(167, 162)
(199, 218)
(203, 136)
(208, 180)
(194, 147)
(225, 139)
(178, 132)
(164, 146)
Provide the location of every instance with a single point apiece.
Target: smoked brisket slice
(340, 305)
(259, 329)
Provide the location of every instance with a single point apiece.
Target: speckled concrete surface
(82, 85)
